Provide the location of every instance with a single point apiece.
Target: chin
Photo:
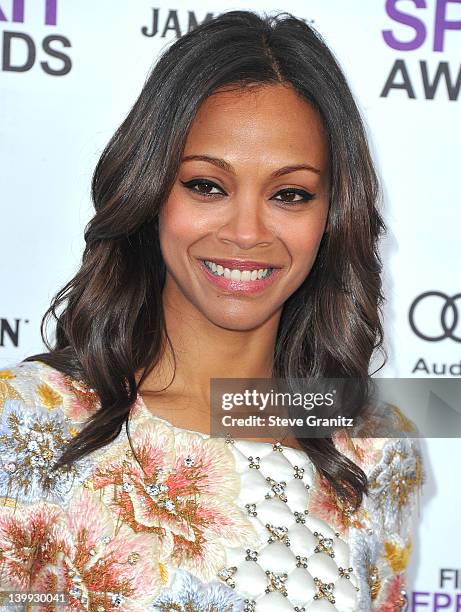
(241, 321)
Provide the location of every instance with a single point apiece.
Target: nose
(247, 224)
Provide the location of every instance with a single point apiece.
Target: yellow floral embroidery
(88, 485)
(163, 572)
(397, 556)
(374, 580)
(49, 397)
(7, 391)
(9, 502)
(6, 375)
(403, 423)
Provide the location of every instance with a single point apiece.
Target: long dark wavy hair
(112, 322)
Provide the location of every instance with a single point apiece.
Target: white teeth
(238, 275)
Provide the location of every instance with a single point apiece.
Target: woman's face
(251, 194)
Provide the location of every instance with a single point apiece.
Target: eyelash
(306, 195)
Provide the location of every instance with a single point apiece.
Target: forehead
(271, 121)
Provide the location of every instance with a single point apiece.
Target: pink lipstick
(247, 286)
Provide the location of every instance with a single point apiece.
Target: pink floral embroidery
(325, 504)
(184, 491)
(81, 554)
(79, 402)
(365, 452)
(393, 599)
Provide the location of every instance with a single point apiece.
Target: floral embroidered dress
(200, 524)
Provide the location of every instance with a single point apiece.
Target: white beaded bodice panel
(300, 562)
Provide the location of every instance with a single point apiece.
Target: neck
(204, 350)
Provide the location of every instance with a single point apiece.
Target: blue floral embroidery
(31, 441)
(188, 593)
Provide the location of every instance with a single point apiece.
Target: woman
(235, 235)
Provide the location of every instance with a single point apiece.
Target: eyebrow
(221, 163)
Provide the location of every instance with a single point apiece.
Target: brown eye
(305, 196)
(204, 187)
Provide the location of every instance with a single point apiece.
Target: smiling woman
(235, 236)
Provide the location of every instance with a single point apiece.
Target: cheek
(179, 225)
(302, 240)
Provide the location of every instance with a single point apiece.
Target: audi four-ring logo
(449, 304)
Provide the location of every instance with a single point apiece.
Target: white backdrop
(70, 71)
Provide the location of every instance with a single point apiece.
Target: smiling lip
(240, 264)
(242, 287)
